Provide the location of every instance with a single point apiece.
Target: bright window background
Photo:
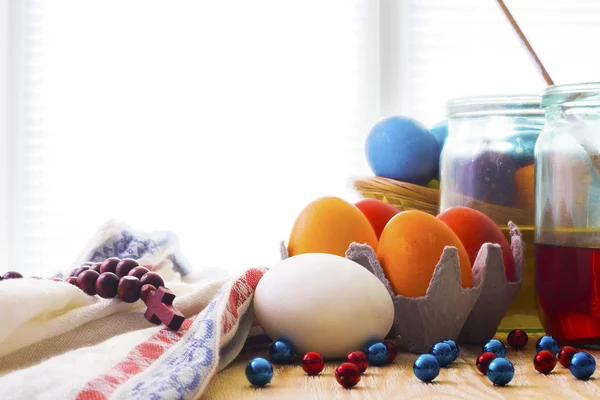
(216, 120)
(466, 47)
(220, 121)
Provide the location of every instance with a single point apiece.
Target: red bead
(544, 362)
(145, 291)
(565, 354)
(124, 266)
(106, 285)
(483, 362)
(359, 359)
(72, 280)
(312, 363)
(96, 267)
(138, 272)
(79, 270)
(347, 375)
(12, 275)
(392, 352)
(517, 339)
(129, 289)
(154, 279)
(109, 265)
(86, 281)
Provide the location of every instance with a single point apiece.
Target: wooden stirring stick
(589, 149)
(525, 42)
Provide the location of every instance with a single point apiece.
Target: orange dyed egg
(524, 187)
(329, 225)
(410, 248)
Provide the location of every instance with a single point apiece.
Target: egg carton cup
(449, 311)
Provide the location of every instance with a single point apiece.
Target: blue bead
(583, 365)
(495, 346)
(500, 371)
(259, 371)
(377, 353)
(547, 342)
(454, 347)
(443, 353)
(426, 367)
(281, 352)
(402, 149)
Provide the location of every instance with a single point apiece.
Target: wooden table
(396, 381)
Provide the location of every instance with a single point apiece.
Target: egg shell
(329, 225)
(525, 187)
(401, 148)
(323, 303)
(462, 221)
(377, 212)
(489, 177)
(410, 247)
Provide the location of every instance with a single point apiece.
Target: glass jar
(567, 218)
(487, 163)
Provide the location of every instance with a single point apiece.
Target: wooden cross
(161, 310)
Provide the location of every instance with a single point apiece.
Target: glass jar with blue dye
(487, 163)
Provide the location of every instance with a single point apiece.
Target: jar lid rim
(509, 103)
(571, 93)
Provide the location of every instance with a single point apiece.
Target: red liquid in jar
(568, 293)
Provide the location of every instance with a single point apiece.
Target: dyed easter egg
(474, 228)
(440, 133)
(490, 177)
(410, 248)
(400, 148)
(377, 212)
(329, 225)
(522, 145)
(525, 187)
(323, 303)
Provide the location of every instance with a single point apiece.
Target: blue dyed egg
(500, 371)
(377, 353)
(583, 365)
(400, 148)
(495, 346)
(443, 353)
(426, 367)
(259, 371)
(522, 147)
(440, 133)
(547, 342)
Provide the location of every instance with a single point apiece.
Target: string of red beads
(114, 277)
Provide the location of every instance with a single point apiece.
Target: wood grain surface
(396, 381)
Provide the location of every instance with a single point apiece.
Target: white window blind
(466, 47)
(218, 121)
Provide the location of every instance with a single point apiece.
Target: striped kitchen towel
(58, 343)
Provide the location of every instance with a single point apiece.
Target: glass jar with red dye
(567, 214)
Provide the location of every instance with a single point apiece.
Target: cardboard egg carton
(448, 311)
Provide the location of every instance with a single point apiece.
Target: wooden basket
(407, 196)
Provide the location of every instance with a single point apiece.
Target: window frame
(5, 37)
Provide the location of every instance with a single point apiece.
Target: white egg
(323, 303)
